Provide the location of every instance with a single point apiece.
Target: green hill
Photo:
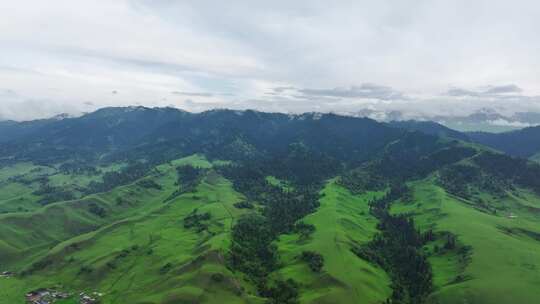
(249, 207)
(523, 143)
(505, 255)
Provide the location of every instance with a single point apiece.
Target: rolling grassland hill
(156, 205)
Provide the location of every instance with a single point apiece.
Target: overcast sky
(421, 57)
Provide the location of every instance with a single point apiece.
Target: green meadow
(19, 182)
(504, 266)
(341, 221)
(141, 251)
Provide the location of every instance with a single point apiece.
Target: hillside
(163, 206)
(522, 143)
(166, 133)
(429, 127)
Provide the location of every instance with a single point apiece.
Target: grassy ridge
(140, 254)
(18, 182)
(341, 221)
(16, 196)
(505, 261)
(140, 251)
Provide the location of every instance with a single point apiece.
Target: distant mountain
(11, 130)
(156, 132)
(483, 120)
(488, 120)
(522, 143)
(429, 127)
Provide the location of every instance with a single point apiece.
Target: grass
(24, 168)
(195, 160)
(139, 253)
(341, 221)
(504, 266)
(274, 181)
(16, 196)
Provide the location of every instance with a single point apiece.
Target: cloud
(195, 94)
(29, 109)
(459, 92)
(283, 89)
(510, 88)
(280, 55)
(489, 91)
(506, 123)
(366, 90)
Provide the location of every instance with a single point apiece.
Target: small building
(39, 296)
(45, 296)
(7, 274)
(87, 299)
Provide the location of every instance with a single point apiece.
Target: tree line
(397, 249)
(253, 251)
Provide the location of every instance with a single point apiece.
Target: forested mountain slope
(429, 127)
(161, 132)
(10, 130)
(139, 205)
(522, 143)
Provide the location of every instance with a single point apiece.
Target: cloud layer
(419, 57)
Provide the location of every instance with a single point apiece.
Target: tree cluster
(78, 168)
(314, 260)
(359, 181)
(97, 210)
(149, 184)
(252, 250)
(124, 176)
(243, 205)
(50, 194)
(397, 249)
(197, 221)
(510, 169)
(188, 178)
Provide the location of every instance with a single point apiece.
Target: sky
(419, 57)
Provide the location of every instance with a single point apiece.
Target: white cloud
(67, 53)
(505, 123)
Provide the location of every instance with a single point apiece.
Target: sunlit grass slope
(18, 182)
(341, 221)
(140, 252)
(505, 261)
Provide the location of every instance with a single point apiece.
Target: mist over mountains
(132, 128)
(482, 120)
(485, 119)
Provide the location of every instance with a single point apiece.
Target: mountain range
(524, 143)
(483, 120)
(158, 205)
